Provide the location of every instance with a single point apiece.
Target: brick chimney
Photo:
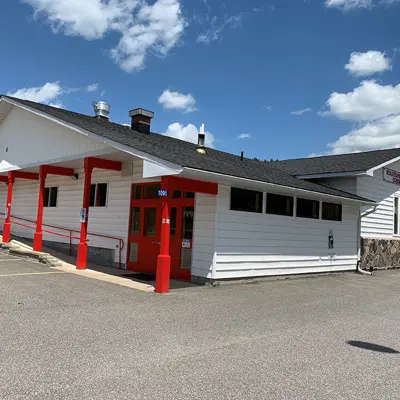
(141, 120)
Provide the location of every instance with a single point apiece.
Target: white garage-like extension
(146, 202)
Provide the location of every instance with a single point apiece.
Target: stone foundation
(380, 253)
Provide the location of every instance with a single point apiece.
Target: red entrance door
(145, 225)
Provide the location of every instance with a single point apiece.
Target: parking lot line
(32, 273)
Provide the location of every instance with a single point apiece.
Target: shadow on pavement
(372, 347)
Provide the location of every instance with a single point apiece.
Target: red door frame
(144, 243)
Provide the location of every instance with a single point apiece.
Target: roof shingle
(184, 153)
(336, 164)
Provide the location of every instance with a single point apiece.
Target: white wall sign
(83, 215)
(391, 175)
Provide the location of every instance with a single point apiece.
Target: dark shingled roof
(336, 164)
(184, 153)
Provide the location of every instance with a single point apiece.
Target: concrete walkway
(65, 263)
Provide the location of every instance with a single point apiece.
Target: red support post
(38, 237)
(164, 259)
(82, 246)
(7, 223)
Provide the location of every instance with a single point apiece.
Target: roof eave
(332, 175)
(118, 146)
(229, 179)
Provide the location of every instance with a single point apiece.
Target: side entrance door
(145, 226)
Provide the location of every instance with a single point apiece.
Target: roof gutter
(229, 179)
(332, 175)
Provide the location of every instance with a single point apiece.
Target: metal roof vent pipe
(201, 141)
(102, 110)
(141, 119)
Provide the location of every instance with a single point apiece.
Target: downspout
(361, 215)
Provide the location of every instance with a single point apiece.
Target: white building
(374, 175)
(159, 204)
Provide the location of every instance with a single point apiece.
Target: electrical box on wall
(127, 169)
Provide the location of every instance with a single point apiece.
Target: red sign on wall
(391, 175)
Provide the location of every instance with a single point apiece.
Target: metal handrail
(70, 230)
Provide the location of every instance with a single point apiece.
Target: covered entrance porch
(160, 237)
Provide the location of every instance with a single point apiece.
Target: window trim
(95, 195)
(246, 211)
(48, 203)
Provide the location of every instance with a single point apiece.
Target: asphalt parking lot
(64, 336)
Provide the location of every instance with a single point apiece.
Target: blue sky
(275, 78)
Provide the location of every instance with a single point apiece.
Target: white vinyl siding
(260, 244)
(27, 139)
(204, 235)
(110, 221)
(380, 222)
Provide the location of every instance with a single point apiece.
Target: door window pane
(135, 224)
(396, 216)
(133, 252)
(150, 222)
(189, 195)
(177, 194)
(137, 192)
(187, 223)
(173, 222)
(150, 191)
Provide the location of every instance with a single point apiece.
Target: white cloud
(369, 63)
(177, 101)
(48, 93)
(301, 112)
(92, 88)
(188, 133)
(268, 108)
(216, 28)
(243, 136)
(379, 134)
(144, 29)
(347, 5)
(367, 102)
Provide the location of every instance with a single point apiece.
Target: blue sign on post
(162, 193)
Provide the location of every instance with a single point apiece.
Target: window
(150, 192)
(396, 216)
(246, 200)
(307, 208)
(279, 205)
(332, 212)
(50, 197)
(98, 195)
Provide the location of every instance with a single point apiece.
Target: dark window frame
(324, 203)
(94, 200)
(304, 215)
(240, 192)
(282, 198)
(47, 198)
